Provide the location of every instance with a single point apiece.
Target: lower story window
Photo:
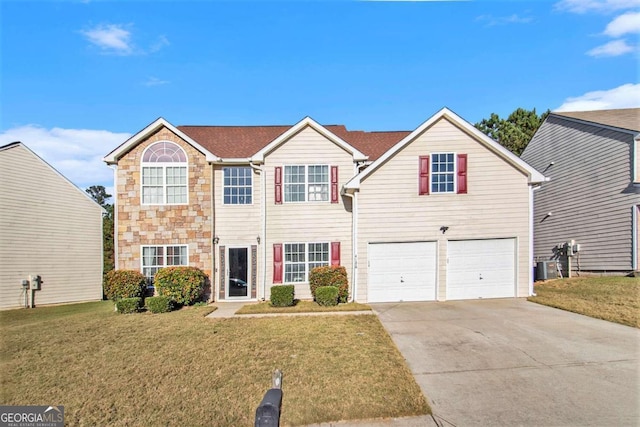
(156, 257)
(300, 258)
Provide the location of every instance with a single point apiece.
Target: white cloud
(154, 81)
(598, 6)
(491, 20)
(75, 153)
(627, 23)
(625, 96)
(613, 48)
(111, 39)
(161, 42)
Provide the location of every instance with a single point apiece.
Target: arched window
(164, 174)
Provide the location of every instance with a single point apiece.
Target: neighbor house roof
(625, 118)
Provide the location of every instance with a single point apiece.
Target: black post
(268, 412)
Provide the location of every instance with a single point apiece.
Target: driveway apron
(510, 362)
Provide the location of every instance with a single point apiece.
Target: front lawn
(612, 298)
(300, 307)
(182, 369)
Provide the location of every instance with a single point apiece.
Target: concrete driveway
(510, 362)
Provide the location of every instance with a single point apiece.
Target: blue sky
(79, 77)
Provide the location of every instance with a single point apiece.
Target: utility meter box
(34, 280)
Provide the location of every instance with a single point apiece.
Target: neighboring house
(442, 212)
(48, 228)
(593, 196)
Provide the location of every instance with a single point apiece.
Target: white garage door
(402, 272)
(481, 269)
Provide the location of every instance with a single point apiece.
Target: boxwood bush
(331, 275)
(327, 295)
(282, 295)
(124, 284)
(184, 285)
(128, 305)
(160, 304)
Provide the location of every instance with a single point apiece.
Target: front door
(238, 273)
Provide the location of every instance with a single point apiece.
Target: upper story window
(164, 175)
(442, 173)
(237, 186)
(306, 183)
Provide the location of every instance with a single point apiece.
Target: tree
(100, 195)
(514, 132)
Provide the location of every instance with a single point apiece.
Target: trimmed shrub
(327, 295)
(184, 285)
(331, 275)
(158, 304)
(282, 295)
(128, 305)
(124, 284)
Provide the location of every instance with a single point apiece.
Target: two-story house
(593, 196)
(442, 212)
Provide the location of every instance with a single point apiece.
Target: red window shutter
(278, 185)
(277, 263)
(423, 178)
(335, 253)
(334, 184)
(462, 174)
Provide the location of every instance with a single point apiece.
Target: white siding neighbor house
(48, 228)
(441, 212)
(592, 200)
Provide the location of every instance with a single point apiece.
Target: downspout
(531, 248)
(354, 243)
(214, 248)
(115, 216)
(263, 217)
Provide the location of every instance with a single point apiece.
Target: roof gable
(126, 146)
(495, 147)
(22, 146)
(322, 130)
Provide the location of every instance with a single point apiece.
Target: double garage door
(408, 271)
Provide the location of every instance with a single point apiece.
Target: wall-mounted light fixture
(258, 239)
(444, 229)
(216, 240)
(548, 166)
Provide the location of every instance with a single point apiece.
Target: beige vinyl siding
(309, 221)
(496, 206)
(48, 227)
(237, 225)
(590, 195)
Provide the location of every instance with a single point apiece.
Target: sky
(77, 78)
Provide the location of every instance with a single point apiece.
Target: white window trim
(164, 166)
(252, 187)
(164, 256)
(306, 257)
(306, 184)
(455, 173)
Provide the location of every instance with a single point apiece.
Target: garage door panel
(481, 269)
(402, 271)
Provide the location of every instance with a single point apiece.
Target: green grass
(300, 307)
(182, 369)
(612, 298)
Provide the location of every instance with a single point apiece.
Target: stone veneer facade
(189, 224)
